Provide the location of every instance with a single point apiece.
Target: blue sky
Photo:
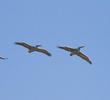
(52, 23)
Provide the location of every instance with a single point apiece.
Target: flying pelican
(76, 51)
(32, 48)
(3, 58)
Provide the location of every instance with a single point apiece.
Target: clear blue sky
(54, 23)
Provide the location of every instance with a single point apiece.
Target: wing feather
(83, 57)
(44, 51)
(67, 48)
(24, 44)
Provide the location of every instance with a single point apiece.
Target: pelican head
(80, 47)
(38, 46)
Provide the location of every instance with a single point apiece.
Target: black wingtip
(49, 55)
(18, 42)
(4, 58)
(90, 62)
(59, 47)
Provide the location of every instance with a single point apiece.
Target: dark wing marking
(24, 44)
(3, 58)
(44, 51)
(67, 48)
(84, 57)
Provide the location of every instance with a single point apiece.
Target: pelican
(32, 48)
(3, 58)
(76, 51)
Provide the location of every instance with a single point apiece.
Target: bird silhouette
(76, 51)
(33, 48)
(3, 58)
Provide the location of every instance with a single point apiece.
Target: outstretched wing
(3, 58)
(84, 57)
(24, 44)
(67, 48)
(44, 51)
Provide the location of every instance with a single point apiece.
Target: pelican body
(32, 49)
(76, 51)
